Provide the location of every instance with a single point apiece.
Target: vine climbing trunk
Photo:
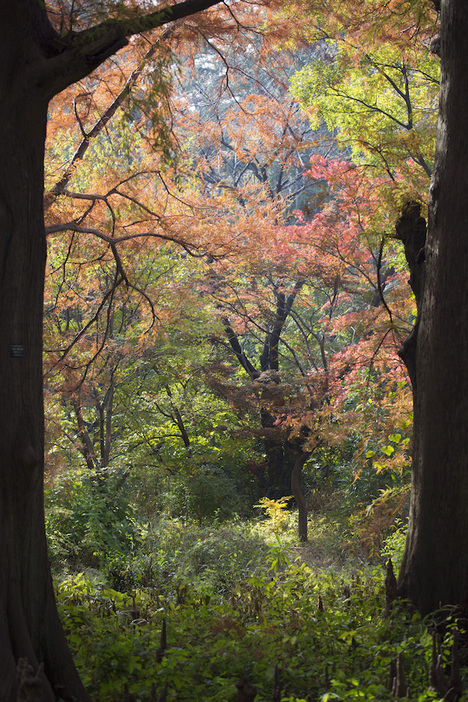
(434, 571)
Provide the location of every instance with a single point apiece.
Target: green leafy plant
(321, 629)
(89, 520)
(278, 556)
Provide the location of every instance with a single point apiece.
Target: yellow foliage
(277, 512)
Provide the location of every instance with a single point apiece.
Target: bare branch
(191, 249)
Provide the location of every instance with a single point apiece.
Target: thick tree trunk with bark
(29, 625)
(435, 565)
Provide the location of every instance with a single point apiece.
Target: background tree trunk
(278, 474)
(29, 623)
(296, 487)
(434, 571)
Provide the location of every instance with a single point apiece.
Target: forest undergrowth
(239, 610)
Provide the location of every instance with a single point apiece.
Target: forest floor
(236, 601)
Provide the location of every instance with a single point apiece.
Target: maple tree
(254, 148)
(142, 305)
(82, 342)
(434, 567)
(41, 57)
(323, 264)
(251, 185)
(47, 48)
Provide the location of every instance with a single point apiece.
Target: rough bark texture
(435, 565)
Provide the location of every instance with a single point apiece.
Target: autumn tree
(252, 144)
(277, 293)
(83, 345)
(46, 47)
(247, 147)
(109, 309)
(311, 321)
(434, 569)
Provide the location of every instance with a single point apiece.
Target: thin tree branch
(61, 184)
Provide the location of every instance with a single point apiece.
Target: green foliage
(394, 544)
(181, 418)
(176, 554)
(204, 491)
(278, 556)
(383, 108)
(88, 520)
(323, 629)
(218, 555)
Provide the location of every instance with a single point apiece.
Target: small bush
(277, 511)
(87, 520)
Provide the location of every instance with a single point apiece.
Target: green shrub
(176, 553)
(207, 492)
(394, 544)
(324, 633)
(215, 556)
(87, 520)
(277, 512)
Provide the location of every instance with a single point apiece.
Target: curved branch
(191, 249)
(80, 53)
(61, 184)
(238, 351)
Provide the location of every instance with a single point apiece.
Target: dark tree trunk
(278, 473)
(29, 624)
(280, 456)
(434, 571)
(296, 487)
